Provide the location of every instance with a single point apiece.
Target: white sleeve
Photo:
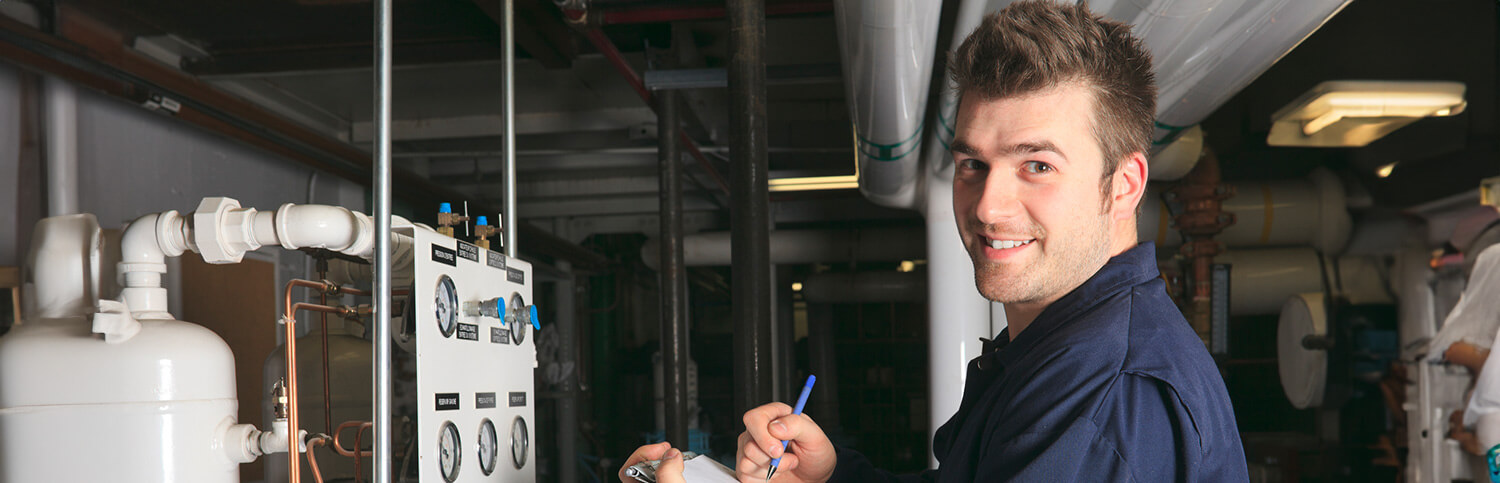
(1476, 317)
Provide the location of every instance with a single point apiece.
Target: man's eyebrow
(961, 147)
(1031, 147)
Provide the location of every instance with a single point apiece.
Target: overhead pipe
(750, 199)
(62, 146)
(887, 47)
(627, 16)
(508, 217)
(802, 246)
(673, 278)
(566, 328)
(865, 287)
(611, 53)
(1297, 212)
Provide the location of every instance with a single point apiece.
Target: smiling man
(1098, 376)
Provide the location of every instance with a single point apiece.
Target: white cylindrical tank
(350, 375)
(1296, 212)
(153, 408)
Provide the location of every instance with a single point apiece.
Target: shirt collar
(1130, 268)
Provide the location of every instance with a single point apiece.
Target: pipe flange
(217, 242)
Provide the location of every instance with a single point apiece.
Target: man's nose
(999, 201)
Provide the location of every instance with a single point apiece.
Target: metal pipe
(61, 147)
(750, 200)
(294, 466)
(567, 353)
(604, 46)
(823, 359)
(688, 13)
(674, 337)
(509, 99)
(382, 285)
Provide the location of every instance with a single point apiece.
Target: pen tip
(770, 473)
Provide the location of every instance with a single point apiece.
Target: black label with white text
(468, 331)
(468, 251)
(495, 260)
(484, 400)
(517, 399)
(444, 256)
(447, 401)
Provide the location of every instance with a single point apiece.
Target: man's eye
(1037, 167)
(971, 164)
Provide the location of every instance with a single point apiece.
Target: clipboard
(695, 469)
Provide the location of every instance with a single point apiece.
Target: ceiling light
(1356, 113)
(906, 266)
(1385, 171)
(796, 286)
(815, 183)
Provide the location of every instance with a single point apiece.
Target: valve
(447, 218)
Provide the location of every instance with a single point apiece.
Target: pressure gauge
(446, 306)
(518, 442)
(517, 318)
(489, 447)
(450, 452)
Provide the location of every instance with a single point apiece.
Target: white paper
(706, 470)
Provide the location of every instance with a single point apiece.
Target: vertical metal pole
(824, 404)
(750, 204)
(509, 65)
(567, 353)
(674, 329)
(382, 183)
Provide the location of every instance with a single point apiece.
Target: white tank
(152, 407)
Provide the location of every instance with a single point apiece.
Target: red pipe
(606, 47)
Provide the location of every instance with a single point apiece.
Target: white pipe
(1272, 213)
(1261, 280)
(62, 147)
(801, 246)
(62, 268)
(887, 48)
(957, 315)
(222, 232)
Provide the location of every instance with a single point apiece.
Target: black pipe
(567, 355)
(823, 359)
(750, 201)
(673, 276)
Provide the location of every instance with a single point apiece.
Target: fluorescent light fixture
(1385, 171)
(1356, 113)
(815, 183)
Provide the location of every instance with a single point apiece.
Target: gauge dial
(489, 447)
(445, 306)
(450, 452)
(517, 318)
(519, 442)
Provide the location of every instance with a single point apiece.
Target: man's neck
(1020, 315)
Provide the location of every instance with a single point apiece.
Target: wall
(10, 155)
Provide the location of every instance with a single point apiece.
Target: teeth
(1003, 244)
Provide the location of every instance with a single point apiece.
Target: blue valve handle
(536, 321)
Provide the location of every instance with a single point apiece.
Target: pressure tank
(151, 407)
(350, 376)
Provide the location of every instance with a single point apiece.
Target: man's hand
(670, 470)
(809, 456)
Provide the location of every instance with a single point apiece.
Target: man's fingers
(670, 470)
(756, 424)
(645, 453)
(804, 434)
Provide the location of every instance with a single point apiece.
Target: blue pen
(801, 401)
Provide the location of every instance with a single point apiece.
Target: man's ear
(1129, 185)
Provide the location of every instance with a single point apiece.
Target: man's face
(1027, 193)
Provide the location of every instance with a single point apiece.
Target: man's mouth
(999, 244)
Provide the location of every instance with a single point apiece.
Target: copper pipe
(339, 447)
(312, 461)
(323, 328)
(294, 463)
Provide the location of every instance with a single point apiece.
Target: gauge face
(449, 452)
(446, 306)
(518, 318)
(518, 442)
(489, 447)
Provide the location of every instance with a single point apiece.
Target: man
(1098, 377)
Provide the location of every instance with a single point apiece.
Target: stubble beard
(1052, 272)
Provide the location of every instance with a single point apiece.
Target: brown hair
(1033, 45)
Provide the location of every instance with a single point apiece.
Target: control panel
(475, 352)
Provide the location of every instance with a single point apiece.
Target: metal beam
(526, 123)
(776, 75)
(682, 13)
(538, 30)
(338, 56)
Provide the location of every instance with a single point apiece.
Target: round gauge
(446, 306)
(518, 442)
(450, 452)
(517, 318)
(489, 447)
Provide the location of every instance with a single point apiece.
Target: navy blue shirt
(1109, 383)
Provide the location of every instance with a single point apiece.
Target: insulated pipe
(1299, 212)
(865, 287)
(957, 315)
(382, 287)
(802, 246)
(749, 196)
(1261, 280)
(887, 48)
(673, 276)
(567, 354)
(62, 147)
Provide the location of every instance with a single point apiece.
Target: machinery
(156, 397)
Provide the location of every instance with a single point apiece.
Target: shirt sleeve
(1139, 433)
(853, 467)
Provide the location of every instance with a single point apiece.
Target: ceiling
(586, 140)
